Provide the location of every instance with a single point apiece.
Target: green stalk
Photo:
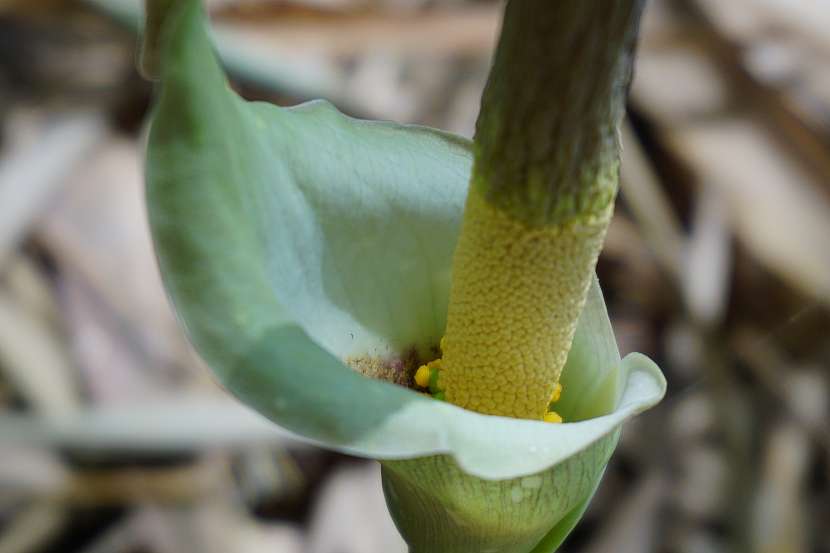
(546, 144)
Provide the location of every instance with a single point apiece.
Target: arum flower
(309, 256)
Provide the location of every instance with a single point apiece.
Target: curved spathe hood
(290, 239)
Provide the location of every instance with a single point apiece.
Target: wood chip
(774, 207)
(633, 523)
(176, 424)
(35, 360)
(779, 515)
(708, 259)
(30, 177)
(673, 86)
(97, 232)
(338, 527)
(649, 203)
(33, 527)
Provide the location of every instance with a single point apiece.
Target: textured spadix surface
(292, 239)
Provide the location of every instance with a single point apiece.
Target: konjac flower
(309, 256)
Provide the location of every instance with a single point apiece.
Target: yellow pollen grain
(517, 292)
(422, 376)
(557, 393)
(552, 416)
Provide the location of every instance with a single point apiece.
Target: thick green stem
(546, 145)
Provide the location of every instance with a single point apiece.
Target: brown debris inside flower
(398, 370)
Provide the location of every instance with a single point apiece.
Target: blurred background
(115, 439)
